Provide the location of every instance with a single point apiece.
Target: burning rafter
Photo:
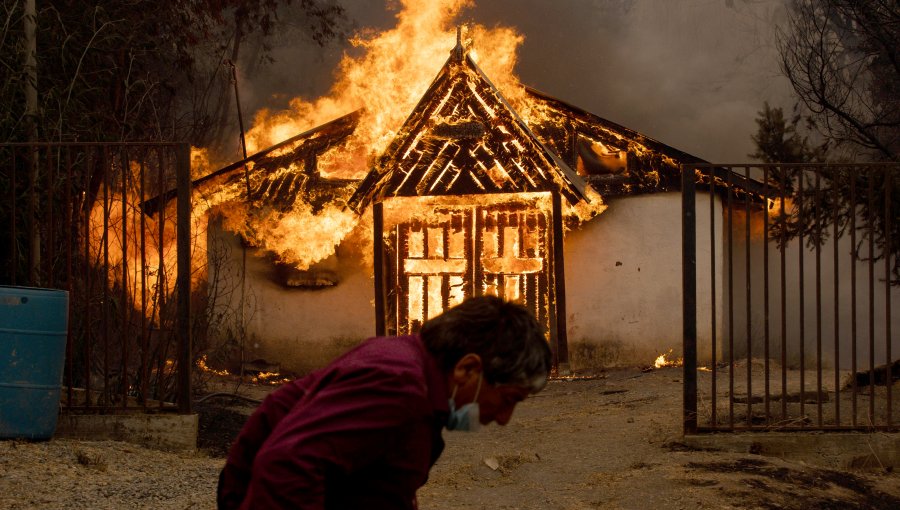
(464, 138)
(639, 163)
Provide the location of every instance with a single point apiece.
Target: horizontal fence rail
(71, 219)
(791, 281)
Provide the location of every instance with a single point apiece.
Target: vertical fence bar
(729, 206)
(854, 258)
(765, 291)
(835, 180)
(49, 226)
(801, 248)
(689, 298)
(747, 296)
(161, 284)
(124, 336)
(183, 281)
(870, 231)
(70, 281)
(818, 252)
(13, 231)
(106, 169)
(782, 252)
(144, 341)
(887, 293)
(712, 279)
(33, 243)
(86, 204)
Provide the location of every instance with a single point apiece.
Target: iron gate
(73, 220)
(798, 263)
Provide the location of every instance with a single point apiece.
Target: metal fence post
(183, 282)
(689, 297)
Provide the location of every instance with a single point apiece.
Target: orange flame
(388, 79)
(662, 361)
(140, 260)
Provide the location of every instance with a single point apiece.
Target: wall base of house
(167, 432)
(835, 450)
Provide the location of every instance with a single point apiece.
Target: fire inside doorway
(448, 252)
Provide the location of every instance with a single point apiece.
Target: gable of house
(464, 138)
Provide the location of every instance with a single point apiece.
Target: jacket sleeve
(235, 476)
(345, 426)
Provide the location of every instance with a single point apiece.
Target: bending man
(364, 431)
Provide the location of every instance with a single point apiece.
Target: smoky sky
(690, 73)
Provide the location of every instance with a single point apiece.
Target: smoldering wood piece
(402, 281)
(465, 224)
(284, 190)
(424, 313)
(474, 182)
(514, 174)
(378, 266)
(500, 218)
(448, 179)
(434, 171)
(391, 279)
(808, 397)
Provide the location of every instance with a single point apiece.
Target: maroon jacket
(361, 433)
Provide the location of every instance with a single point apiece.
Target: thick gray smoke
(689, 73)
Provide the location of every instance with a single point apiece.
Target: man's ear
(468, 367)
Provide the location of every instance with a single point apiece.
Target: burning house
(468, 198)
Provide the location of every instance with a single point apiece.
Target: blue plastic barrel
(33, 328)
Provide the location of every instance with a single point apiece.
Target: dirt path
(615, 443)
(611, 442)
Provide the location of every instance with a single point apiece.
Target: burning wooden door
(438, 254)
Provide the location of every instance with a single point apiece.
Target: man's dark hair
(505, 335)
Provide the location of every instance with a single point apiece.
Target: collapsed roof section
(280, 176)
(617, 161)
(464, 138)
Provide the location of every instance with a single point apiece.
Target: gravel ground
(608, 442)
(64, 473)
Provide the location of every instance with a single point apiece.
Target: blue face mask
(466, 417)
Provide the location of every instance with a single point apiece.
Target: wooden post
(559, 283)
(378, 262)
(183, 281)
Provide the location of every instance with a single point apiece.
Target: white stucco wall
(814, 330)
(623, 282)
(299, 329)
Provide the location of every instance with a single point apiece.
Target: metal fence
(71, 219)
(790, 291)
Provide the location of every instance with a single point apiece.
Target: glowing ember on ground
(662, 361)
(201, 364)
(270, 378)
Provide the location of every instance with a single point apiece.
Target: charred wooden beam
(378, 261)
(559, 277)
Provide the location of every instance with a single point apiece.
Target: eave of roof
(753, 188)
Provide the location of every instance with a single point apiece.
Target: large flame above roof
(387, 79)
